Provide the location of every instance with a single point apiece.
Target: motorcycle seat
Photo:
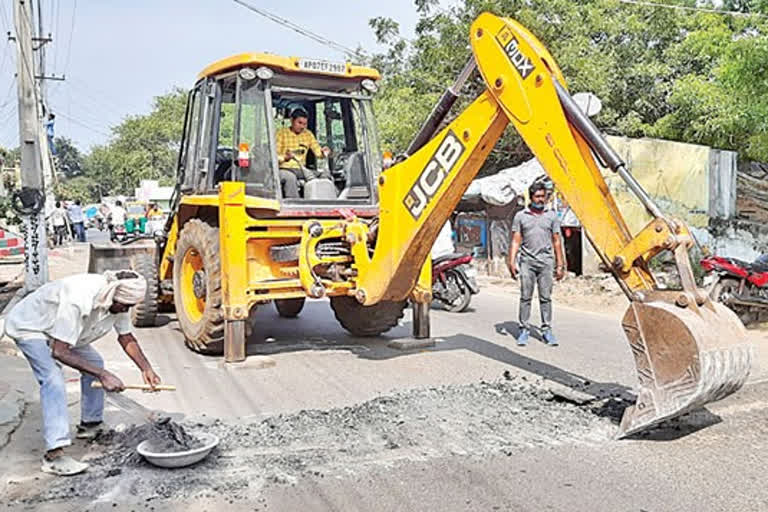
(448, 257)
(758, 267)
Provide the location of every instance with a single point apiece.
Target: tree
(9, 156)
(689, 76)
(70, 160)
(142, 147)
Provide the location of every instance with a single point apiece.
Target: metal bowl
(179, 459)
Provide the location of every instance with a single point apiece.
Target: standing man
(59, 222)
(55, 325)
(536, 236)
(78, 220)
(293, 143)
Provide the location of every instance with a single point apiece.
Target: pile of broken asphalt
(459, 420)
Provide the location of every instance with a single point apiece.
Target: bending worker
(293, 143)
(55, 325)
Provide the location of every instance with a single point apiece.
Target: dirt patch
(598, 293)
(462, 420)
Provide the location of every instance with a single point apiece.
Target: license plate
(323, 66)
(709, 279)
(470, 271)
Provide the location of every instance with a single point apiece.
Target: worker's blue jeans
(79, 228)
(53, 390)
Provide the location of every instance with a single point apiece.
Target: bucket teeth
(686, 357)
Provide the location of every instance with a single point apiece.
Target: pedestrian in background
(58, 219)
(536, 238)
(78, 220)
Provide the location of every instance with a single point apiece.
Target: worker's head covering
(123, 286)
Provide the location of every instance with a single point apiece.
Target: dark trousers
(536, 274)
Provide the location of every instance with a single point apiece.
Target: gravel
(460, 420)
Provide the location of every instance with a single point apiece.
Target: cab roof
(286, 64)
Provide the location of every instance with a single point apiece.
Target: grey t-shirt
(537, 230)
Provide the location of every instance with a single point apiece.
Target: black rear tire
(462, 302)
(367, 321)
(144, 314)
(721, 292)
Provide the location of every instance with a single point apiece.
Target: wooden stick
(159, 387)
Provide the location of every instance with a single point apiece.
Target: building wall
(687, 181)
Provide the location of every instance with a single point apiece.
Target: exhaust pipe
(740, 300)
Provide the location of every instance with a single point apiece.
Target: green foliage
(70, 160)
(142, 147)
(8, 156)
(689, 76)
(79, 187)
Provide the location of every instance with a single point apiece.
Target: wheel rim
(191, 274)
(726, 292)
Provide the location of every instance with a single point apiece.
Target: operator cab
(238, 127)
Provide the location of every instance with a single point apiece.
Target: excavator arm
(688, 351)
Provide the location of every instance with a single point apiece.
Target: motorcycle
(117, 233)
(454, 281)
(740, 285)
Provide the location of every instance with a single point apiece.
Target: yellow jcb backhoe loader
(361, 235)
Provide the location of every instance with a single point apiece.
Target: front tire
(197, 287)
(366, 321)
(289, 308)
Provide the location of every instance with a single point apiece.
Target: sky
(119, 54)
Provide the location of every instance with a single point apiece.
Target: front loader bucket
(686, 357)
(116, 257)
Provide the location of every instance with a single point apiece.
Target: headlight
(369, 85)
(265, 73)
(247, 74)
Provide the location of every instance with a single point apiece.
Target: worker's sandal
(522, 338)
(63, 465)
(89, 431)
(549, 337)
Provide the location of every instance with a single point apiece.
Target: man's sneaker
(63, 465)
(550, 338)
(522, 338)
(89, 430)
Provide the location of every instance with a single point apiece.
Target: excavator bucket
(104, 257)
(686, 354)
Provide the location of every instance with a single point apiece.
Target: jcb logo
(519, 60)
(433, 175)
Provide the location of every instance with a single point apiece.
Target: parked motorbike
(117, 233)
(454, 281)
(740, 285)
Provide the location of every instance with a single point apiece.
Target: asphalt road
(710, 461)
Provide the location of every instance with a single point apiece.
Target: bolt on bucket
(687, 354)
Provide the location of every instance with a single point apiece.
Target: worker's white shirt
(118, 215)
(63, 310)
(444, 243)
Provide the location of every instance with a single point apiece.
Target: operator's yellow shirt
(298, 145)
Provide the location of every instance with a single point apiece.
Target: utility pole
(30, 200)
